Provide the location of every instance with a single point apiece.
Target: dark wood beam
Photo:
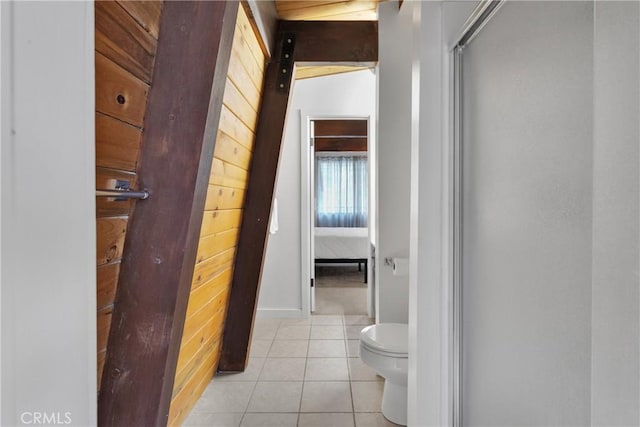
(334, 41)
(183, 112)
(340, 144)
(314, 42)
(253, 232)
(340, 128)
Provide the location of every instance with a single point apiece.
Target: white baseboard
(270, 313)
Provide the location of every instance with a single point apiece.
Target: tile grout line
(346, 349)
(341, 321)
(304, 375)
(255, 385)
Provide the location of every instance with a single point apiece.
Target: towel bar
(123, 194)
(122, 191)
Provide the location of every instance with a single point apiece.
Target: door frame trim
(478, 19)
(306, 203)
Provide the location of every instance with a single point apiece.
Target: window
(341, 191)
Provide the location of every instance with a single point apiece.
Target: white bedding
(341, 242)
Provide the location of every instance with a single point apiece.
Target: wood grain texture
(125, 39)
(255, 218)
(343, 42)
(211, 267)
(227, 175)
(213, 273)
(146, 13)
(327, 10)
(119, 93)
(250, 36)
(340, 128)
(110, 239)
(208, 313)
(340, 144)
(311, 71)
(220, 220)
(175, 165)
(117, 143)
(192, 390)
(284, 5)
(121, 39)
(106, 179)
(231, 125)
(107, 284)
(245, 73)
(102, 356)
(103, 325)
(203, 295)
(216, 243)
(231, 151)
(238, 104)
(219, 197)
(196, 351)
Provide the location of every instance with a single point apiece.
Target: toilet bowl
(384, 348)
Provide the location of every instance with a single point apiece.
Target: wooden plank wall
(206, 311)
(315, 42)
(126, 34)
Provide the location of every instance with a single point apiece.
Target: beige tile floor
(301, 373)
(340, 290)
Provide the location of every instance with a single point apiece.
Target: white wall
(615, 378)
(48, 214)
(527, 199)
(349, 94)
(4, 117)
(435, 27)
(615, 361)
(394, 156)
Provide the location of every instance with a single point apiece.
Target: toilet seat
(384, 348)
(386, 339)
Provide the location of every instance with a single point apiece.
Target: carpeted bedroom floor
(340, 290)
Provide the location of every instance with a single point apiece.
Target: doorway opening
(338, 224)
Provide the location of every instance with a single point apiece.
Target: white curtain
(341, 191)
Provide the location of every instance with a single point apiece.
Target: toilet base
(394, 403)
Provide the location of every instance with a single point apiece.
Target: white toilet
(384, 347)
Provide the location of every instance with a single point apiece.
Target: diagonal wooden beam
(183, 112)
(347, 41)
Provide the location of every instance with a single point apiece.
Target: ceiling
(308, 72)
(326, 10)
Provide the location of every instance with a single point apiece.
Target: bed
(342, 245)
